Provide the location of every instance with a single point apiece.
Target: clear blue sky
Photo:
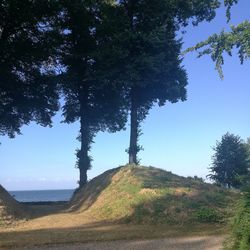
(177, 137)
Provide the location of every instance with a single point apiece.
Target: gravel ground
(184, 243)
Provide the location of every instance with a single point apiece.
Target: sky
(177, 137)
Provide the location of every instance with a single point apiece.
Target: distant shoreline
(39, 203)
(43, 196)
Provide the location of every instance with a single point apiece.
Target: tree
(246, 178)
(247, 145)
(27, 92)
(147, 53)
(89, 97)
(240, 226)
(219, 44)
(230, 161)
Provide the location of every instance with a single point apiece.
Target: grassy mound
(10, 209)
(140, 194)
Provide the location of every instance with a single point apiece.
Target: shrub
(240, 237)
(205, 214)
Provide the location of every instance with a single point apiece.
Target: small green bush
(205, 214)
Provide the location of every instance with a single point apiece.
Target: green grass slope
(137, 194)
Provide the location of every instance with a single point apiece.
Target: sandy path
(183, 243)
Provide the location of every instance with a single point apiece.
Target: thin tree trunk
(83, 157)
(133, 147)
(85, 139)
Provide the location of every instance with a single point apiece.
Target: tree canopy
(225, 42)
(217, 44)
(89, 97)
(114, 57)
(230, 161)
(27, 92)
(147, 53)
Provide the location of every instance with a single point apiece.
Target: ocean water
(42, 195)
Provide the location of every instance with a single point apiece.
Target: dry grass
(10, 210)
(150, 195)
(126, 203)
(99, 232)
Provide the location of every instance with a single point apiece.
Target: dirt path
(182, 243)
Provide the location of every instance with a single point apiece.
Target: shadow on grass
(82, 199)
(98, 232)
(87, 195)
(183, 208)
(40, 209)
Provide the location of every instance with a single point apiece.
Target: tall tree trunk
(133, 147)
(85, 139)
(83, 157)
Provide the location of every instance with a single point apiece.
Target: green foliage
(240, 237)
(228, 4)
(206, 214)
(230, 161)
(224, 42)
(218, 198)
(147, 59)
(90, 97)
(247, 145)
(27, 87)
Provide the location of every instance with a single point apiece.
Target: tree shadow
(39, 209)
(145, 236)
(183, 207)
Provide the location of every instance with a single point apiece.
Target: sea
(42, 195)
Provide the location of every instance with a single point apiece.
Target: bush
(205, 214)
(240, 238)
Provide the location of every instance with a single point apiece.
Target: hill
(137, 194)
(10, 209)
(123, 203)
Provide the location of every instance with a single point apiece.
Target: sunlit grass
(130, 202)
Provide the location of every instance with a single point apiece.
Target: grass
(128, 202)
(150, 195)
(98, 232)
